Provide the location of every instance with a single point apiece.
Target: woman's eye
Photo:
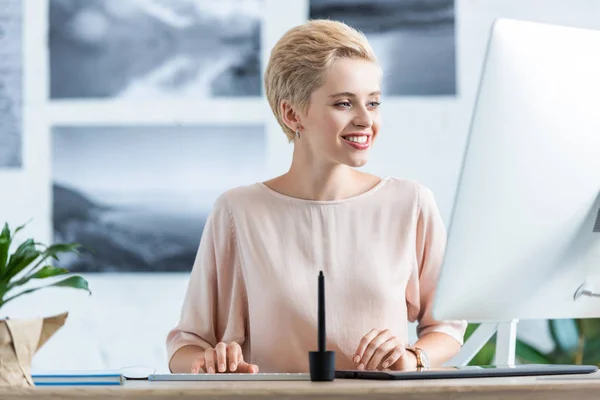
(345, 104)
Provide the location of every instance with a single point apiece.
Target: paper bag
(20, 339)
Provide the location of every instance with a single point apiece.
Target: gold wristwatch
(422, 359)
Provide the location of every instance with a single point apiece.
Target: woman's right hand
(223, 358)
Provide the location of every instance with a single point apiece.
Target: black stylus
(321, 311)
(322, 362)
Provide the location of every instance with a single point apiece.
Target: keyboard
(261, 376)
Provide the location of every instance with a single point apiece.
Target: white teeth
(357, 139)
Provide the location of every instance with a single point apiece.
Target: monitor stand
(506, 342)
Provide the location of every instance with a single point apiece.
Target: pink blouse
(254, 280)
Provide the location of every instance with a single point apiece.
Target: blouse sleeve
(215, 304)
(430, 248)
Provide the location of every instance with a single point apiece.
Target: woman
(252, 297)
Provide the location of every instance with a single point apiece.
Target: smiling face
(342, 119)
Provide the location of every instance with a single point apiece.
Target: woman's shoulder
(238, 195)
(410, 190)
(405, 186)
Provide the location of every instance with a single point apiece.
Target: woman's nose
(362, 119)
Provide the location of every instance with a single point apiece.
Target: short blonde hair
(300, 59)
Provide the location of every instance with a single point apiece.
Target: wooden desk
(542, 388)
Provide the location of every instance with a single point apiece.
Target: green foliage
(486, 354)
(29, 263)
(576, 341)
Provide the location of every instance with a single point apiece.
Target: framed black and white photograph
(154, 49)
(11, 87)
(414, 40)
(138, 196)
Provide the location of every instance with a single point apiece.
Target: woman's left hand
(380, 349)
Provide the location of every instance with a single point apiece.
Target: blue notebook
(77, 378)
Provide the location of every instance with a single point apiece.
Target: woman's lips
(359, 142)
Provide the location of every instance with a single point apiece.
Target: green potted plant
(29, 263)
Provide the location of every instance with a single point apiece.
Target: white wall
(126, 319)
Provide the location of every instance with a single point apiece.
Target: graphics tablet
(485, 371)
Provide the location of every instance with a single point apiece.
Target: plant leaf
(45, 272)
(565, 358)
(531, 355)
(565, 334)
(55, 249)
(591, 353)
(48, 271)
(18, 253)
(5, 241)
(19, 228)
(25, 254)
(75, 282)
(590, 327)
(4, 246)
(485, 356)
(52, 251)
(472, 327)
(5, 231)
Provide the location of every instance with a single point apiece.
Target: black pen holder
(322, 366)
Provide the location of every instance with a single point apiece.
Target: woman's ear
(289, 115)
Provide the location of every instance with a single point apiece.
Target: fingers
(245, 368)
(209, 360)
(382, 351)
(369, 345)
(221, 349)
(362, 345)
(242, 366)
(223, 358)
(198, 365)
(394, 356)
(234, 356)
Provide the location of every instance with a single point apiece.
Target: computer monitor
(524, 232)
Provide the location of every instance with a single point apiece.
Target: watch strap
(418, 354)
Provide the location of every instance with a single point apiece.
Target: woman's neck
(323, 182)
